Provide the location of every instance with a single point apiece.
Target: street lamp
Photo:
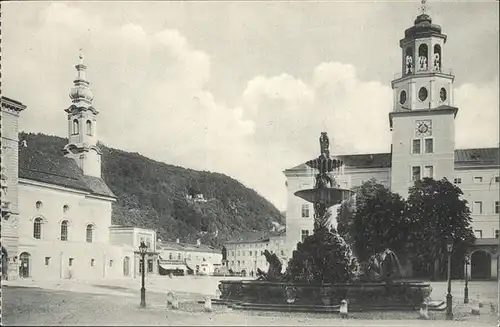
(449, 298)
(466, 288)
(142, 250)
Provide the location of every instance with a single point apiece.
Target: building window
(305, 210)
(497, 179)
(37, 228)
(178, 256)
(47, 261)
(457, 180)
(477, 207)
(232, 253)
(429, 171)
(150, 265)
(429, 145)
(170, 256)
(90, 233)
(478, 179)
(497, 233)
(92, 262)
(416, 146)
(110, 263)
(415, 173)
(497, 207)
(70, 261)
(38, 205)
(76, 127)
(250, 253)
(478, 233)
(65, 208)
(64, 230)
(305, 234)
(89, 127)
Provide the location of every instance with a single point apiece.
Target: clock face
(423, 128)
(442, 94)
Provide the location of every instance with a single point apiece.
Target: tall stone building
(9, 170)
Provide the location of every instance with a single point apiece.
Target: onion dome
(81, 91)
(423, 27)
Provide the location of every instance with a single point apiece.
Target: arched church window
(37, 228)
(38, 205)
(423, 56)
(409, 60)
(65, 208)
(76, 127)
(90, 233)
(64, 230)
(89, 127)
(402, 97)
(436, 60)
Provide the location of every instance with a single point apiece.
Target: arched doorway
(480, 265)
(24, 268)
(126, 266)
(5, 263)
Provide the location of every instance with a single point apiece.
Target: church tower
(82, 125)
(423, 118)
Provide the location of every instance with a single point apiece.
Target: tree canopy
(378, 219)
(439, 215)
(374, 220)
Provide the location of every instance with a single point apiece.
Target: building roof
(463, 157)
(187, 247)
(53, 168)
(8, 103)
(256, 236)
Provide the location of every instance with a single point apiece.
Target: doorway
(24, 268)
(126, 266)
(480, 265)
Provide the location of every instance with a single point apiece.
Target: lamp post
(449, 298)
(142, 250)
(466, 288)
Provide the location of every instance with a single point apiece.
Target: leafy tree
(374, 220)
(438, 213)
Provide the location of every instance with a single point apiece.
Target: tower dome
(81, 92)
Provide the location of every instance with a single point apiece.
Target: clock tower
(423, 118)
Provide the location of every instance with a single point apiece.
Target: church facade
(58, 209)
(422, 124)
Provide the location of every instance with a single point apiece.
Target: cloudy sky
(242, 88)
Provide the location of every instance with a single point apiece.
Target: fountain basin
(325, 164)
(362, 296)
(327, 196)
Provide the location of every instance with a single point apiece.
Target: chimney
(177, 241)
(198, 242)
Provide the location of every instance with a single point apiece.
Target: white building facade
(59, 206)
(423, 145)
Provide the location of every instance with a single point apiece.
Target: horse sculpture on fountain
(274, 271)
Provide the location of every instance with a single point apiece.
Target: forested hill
(177, 202)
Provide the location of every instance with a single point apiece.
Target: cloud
(152, 88)
(477, 121)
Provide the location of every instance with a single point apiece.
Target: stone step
(285, 307)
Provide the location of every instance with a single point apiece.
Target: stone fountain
(323, 272)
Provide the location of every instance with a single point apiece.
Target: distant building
(245, 254)
(188, 259)
(423, 145)
(59, 208)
